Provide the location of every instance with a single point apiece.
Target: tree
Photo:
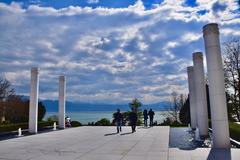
(136, 105)
(172, 114)
(184, 114)
(13, 107)
(177, 101)
(232, 76)
(41, 111)
(18, 110)
(5, 91)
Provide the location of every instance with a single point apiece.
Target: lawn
(234, 129)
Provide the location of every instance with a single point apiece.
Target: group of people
(149, 113)
(133, 118)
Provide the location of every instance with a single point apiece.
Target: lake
(93, 116)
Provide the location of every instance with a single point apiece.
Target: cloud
(109, 55)
(92, 1)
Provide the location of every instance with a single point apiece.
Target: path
(100, 143)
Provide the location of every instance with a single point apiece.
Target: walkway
(100, 143)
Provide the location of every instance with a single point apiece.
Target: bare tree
(232, 75)
(6, 91)
(177, 101)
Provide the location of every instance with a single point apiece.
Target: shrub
(42, 124)
(169, 122)
(12, 127)
(53, 118)
(103, 122)
(15, 126)
(75, 124)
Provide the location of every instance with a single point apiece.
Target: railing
(234, 142)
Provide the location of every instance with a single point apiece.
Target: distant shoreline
(92, 116)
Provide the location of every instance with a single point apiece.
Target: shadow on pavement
(142, 127)
(219, 154)
(110, 134)
(126, 133)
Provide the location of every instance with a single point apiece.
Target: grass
(234, 129)
(14, 126)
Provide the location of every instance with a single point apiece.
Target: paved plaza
(102, 143)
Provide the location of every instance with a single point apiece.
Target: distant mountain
(52, 106)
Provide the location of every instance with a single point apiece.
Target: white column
(219, 117)
(61, 101)
(192, 98)
(201, 98)
(33, 106)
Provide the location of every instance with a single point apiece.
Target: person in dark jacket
(151, 116)
(145, 117)
(133, 120)
(118, 119)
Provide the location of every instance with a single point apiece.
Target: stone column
(201, 98)
(33, 106)
(192, 98)
(61, 101)
(219, 117)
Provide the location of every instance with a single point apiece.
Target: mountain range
(52, 106)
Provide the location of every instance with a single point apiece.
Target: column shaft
(61, 102)
(192, 98)
(33, 106)
(201, 98)
(217, 93)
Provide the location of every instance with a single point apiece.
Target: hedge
(15, 126)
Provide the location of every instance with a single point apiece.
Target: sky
(110, 50)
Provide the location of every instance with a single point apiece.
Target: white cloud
(92, 1)
(108, 54)
(230, 32)
(190, 37)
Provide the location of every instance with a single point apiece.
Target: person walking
(118, 118)
(145, 117)
(133, 120)
(151, 116)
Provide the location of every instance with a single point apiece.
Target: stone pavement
(101, 143)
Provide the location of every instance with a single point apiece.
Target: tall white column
(192, 98)
(219, 117)
(61, 101)
(33, 106)
(201, 98)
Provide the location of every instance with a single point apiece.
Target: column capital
(211, 28)
(190, 69)
(197, 55)
(34, 69)
(62, 78)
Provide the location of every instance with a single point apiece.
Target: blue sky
(110, 50)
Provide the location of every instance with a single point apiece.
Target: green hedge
(15, 126)
(12, 127)
(75, 124)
